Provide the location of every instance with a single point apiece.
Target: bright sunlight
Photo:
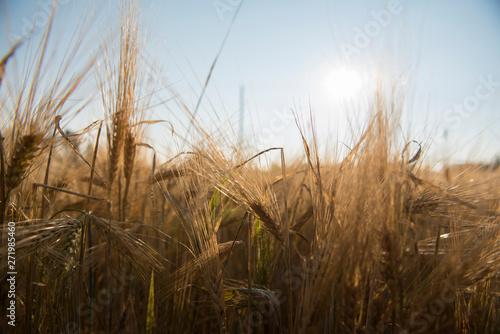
(342, 83)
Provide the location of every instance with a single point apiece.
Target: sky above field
(326, 56)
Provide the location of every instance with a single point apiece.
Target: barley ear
(24, 151)
(129, 155)
(128, 165)
(116, 146)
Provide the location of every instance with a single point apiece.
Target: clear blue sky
(287, 53)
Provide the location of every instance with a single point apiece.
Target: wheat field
(109, 240)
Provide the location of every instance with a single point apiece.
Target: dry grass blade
(257, 155)
(279, 178)
(356, 148)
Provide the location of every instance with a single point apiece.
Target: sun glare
(342, 83)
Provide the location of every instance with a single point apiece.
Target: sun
(342, 83)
